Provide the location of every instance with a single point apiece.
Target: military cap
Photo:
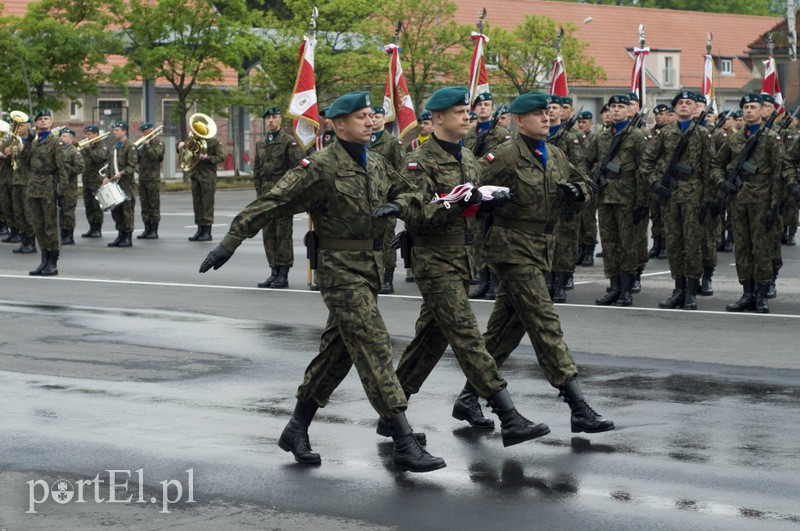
(91, 129)
(751, 98)
(324, 112)
(737, 114)
(272, 111)
(504, 109)
(447, 97)
(661, 107)
(378, 109)
(604, 108)
(567, 100)
(123, 125)
(684, 95)
(619, 98)
(424, 115)
(632, 96)
(349, 103)
(146, 125)
(700, 98)
(767, 98)
(43, 112)
(473, 115)
(558, 100)
(530, 102)
(66, 130)
(483, 96)
(585, 115)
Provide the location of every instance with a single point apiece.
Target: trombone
(149, 136)
(89, 141)
(19, 118)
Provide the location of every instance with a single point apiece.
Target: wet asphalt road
(131, 360)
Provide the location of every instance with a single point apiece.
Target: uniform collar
(345, 159)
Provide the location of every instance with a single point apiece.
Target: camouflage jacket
(791, 161)
(206, 169)
(126, 159)
(95, 156)
(46, 168)
(150, 157)
(21, 175)
(275, 155)
(536, 202)
(568, 142)
(694, 184)
(435, 171)
(340, 196)
(73, 160)
(390, 148)
(719, 137)
(766, 185)
(628, 187)
(495, 138)
(5, 160)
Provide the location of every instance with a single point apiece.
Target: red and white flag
(303, 105)
(396, 99)
(638, 81)
(478, 80)
(771, 85)
(558, 83)
(707, 89)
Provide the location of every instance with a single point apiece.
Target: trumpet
(149, 136)
(19, 118)
(202, 128)
(89, 141)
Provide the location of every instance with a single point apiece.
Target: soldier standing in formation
(95, 156)
(425, 129)
(518, 248)
(204, 187)
(791, 178)
(659, 248)
(19, 190)
(588, 216)
(326, 133)
(340, 186)
(151, 154)
(75, 166)
(9, 222)
(276, 154)
(122, 165)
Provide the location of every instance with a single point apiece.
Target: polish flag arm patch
(305, 163)
(490, 157)
(412, 166)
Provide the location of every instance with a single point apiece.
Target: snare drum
(110, 195)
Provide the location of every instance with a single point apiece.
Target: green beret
(633, 96)
(530, 102)
(624, 99)
(348, 104)
(699, 98)
(448, 97)
(473, 116)
(272, 111)
(66, 130)
(123, 125)
(378, 109)
(43, 112)
(324, 112)
(737, 114)
(91, 129)
(661, 107)
(146, 125)
(767, 98)
(483, 96)
(604, 108)
(558, 100)
(684, 95)
(424, 115)
(751, 98)
(504, 109)
(567, 100)
(585, 115)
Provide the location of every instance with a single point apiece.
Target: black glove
(216, 258)
(571, 192)
(474, 198)
(702, 212)
(770, 217)
(386, 210)
(794, 189)
(662, 192)
(728, 187)
(640, 214)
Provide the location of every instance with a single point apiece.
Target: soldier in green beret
(8, 219)
(659, 248)
(204, 188)
(75, 166)
(20, 177)
(122, 167)
(150, 154)
(425, 128)
(340, 186)
(588, 216)
(504, 120)
(326, 133)
(95, 156)
(519, 247)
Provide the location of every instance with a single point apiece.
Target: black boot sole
(405, 468)
(288, 448)
(596, 430)
(540, 431)
(458, 415)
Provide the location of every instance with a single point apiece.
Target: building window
(169, 113)
(726, 67)
(76, 110)
(109, 111)
(669, 71)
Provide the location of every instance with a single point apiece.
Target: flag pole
(312, 29)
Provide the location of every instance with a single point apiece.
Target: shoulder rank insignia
(412, 166)
(490, 157)
(305, 163)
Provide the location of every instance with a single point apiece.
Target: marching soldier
(75, 166)
(122, 167)
(276, 154)
(95, 156)
(659, 249)
(440, 236)
(691, 187)
(204, 186)
(622, 205)
(424, 131)
(340, 186)
(585, 123)
(150, 154)
(48, 179)
(588, 216)
(754, 207)
(19, 191)
(519, 246)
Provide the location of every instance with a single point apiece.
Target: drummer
(122, 165)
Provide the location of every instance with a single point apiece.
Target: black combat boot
(569, 283)
(468, 408)
(584, 418)
(67, 237)
(409, 275)
(785, 235)
(51, 269)
(388, 282)
(588, 259)
(625, 298)
(282, 280)
(772, 290)
(790, 238)
(13, 236)
(636, 285)
(119, 238)
(295, 435)
(386, 429)
(205, 235)
(270, 279)
(728, 247)
(408, 454)
(721, 242)
(3, 228)
(662, 255)
(94, 231)
(678, 297)
(581, 254)
(29, 247)
(706, 286)
(494, 287)
(483, 285)
(153, 231)
(762, 288)
(40, 267)
(515, 428)
(559, 293)
(692, 284)
(126, 240)
(655, 250)
(747, 302)
(196, 235)
(146, 232)
(612, 294)
(22, 243)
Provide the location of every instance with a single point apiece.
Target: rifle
(734, 178)
(599, 179)
(569, 124)
(787, 120)
(675, 165)
(311, 242)
(719, 122)
(478, 147)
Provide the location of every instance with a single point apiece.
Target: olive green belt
(524, 226)
(341, 244)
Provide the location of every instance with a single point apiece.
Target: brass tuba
(19, 118)
(201, 128)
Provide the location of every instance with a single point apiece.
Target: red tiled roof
(615, 29)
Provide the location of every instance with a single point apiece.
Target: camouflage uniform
(391, 149)
(791, 169)
(95, 156)
(150, 157)
(519, 248)
(48, 173)
(6, 201)
(204, 183)
(74, 162)
(588, 216)
(568, 227)
(127, 157)
(340, 196)
(656, 213)
(790, 211)
(19, 192)
(275, 155)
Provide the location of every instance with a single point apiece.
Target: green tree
(524, 57)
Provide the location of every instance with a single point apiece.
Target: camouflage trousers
(203, 201)
(278, 243)
(775, 245)
(477, 243)
(389, 254)
(711, 228)
(684, 236)
(621, 239)
(642, 256)
(69, 203)
(124, 214)
(94, 214)
(523, 305)
(566, 249)
(150, 197)
(7, 204)
(588, 227)
(44, 219)
(656, 218)
(354, 335)
(790, 215)
(446, 318)
(753, 249)
(20, 207)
